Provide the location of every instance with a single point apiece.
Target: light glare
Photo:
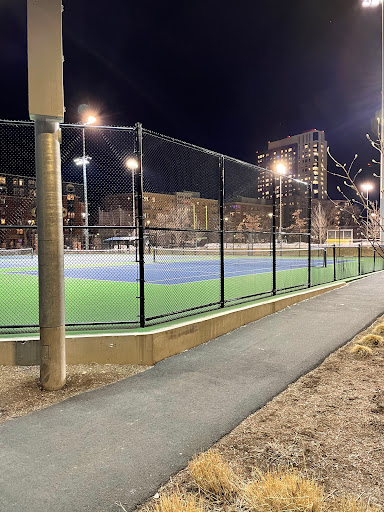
(281, 169)
(132, 164)
(371, 3)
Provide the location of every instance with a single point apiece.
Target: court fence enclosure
(156, 229)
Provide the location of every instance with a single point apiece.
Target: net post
(139, 188)
(325, 257)
(274, 236)
(374, 258)
(309, 191)
(222, 280)
(334, 261)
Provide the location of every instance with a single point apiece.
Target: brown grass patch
(349, 504)
(282, 490)
(379, 329)
(176, 502)
(371, 340)
(214, 475)
(361, 351)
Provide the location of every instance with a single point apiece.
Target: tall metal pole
(382, 131)
(139, 175)
(309, 190)
(86, 232)
(46, 109)
(274, 283)
(280, 216)
(222, 227)
(51, 254)
(133, 200)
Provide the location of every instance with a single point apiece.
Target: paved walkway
(121, 442)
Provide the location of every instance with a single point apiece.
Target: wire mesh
(213, 231)
(181, 199)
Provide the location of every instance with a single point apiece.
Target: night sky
(228, 76)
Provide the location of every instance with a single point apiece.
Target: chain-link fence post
(359, 259)
(334, 262)
(221, 213)
(309, 191)
(139, 188)
(274, 235)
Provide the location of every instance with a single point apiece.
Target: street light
(367, 187)
(133, 165)
(376, 3)
(84, 161)
(282, 171)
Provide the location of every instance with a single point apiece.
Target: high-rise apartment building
(305, 158)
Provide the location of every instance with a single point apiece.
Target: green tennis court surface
(102, 286)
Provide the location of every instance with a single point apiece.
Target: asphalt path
(121, 442)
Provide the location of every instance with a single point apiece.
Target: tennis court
(102, 286)
(165, 267)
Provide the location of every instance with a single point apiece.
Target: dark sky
(228, 76)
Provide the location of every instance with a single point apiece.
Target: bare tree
(299, 224)
(362, 211)
(320, 223)
(249, 224)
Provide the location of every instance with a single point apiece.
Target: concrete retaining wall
(150, 347)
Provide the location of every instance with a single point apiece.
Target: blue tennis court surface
(176, 272)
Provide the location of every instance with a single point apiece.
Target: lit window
(2, 180)
(21, 183)
(2, 221)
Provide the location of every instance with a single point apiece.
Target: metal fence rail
(157, 229)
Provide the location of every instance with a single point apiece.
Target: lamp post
(367, 187)
(133, 165)
(282, 171)
(84, 161)
(376, 3)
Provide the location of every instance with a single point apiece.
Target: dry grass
(282, 490)
(349, 504)
(379, 329)
(371, 340)
(361, 351)
(176, 503)
(214, 475)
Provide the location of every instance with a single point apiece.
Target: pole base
(52, 362)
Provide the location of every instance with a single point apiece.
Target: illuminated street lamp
(282, 171)
(84, 161)
(376, 3)
(133, 165)
(367, 187)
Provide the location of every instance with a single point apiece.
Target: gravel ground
(20, 391)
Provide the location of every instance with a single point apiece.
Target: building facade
(305, 158)
(18, 208)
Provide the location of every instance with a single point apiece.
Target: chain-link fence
(156, 229)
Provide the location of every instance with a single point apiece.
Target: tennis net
(246, 254)
(16, 253)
